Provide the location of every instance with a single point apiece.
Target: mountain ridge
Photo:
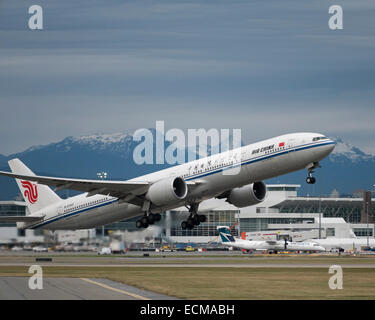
(348, 168)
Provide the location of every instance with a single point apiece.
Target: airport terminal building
(283, 212)
(8, 231)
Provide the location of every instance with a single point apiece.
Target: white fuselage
(345, 243)
(276, 245)
(215, 175)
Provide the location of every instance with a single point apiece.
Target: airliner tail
(36, 196)
(225, 234)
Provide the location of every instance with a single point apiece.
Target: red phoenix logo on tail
(31, 192)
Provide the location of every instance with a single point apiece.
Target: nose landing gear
(311, 168)
(310, 179)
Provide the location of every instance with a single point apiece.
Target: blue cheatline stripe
(53, 219)
(246, 162)
(257, 159)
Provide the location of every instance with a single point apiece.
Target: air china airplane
(236, 175)
(266, 245)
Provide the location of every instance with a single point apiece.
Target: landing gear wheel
(202, 218)
(187, 225)
(190, 221)
(310, 180)
(190, 226)
(157, 217)
(144, 221)
(139, 224)
(151, 218)
(196, 220)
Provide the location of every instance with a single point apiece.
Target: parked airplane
(345, 243)
(265, 245)
(235, 175)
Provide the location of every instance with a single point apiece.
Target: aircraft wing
(127, 190)
(20, 218)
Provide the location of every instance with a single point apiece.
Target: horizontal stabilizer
(20, 218)
(117, 189)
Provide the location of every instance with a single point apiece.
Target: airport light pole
(367, 213)
(102, 175)
(320, 216)
(367, 231)
(320, 213)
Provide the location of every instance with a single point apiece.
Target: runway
(17, 288)
(174, 260)
(186, 277)
(201, 265)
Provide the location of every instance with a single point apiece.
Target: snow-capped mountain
(347, 169)
(344, 150)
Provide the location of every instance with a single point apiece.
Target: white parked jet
(265, 245)
(345, 243)
(234, 175)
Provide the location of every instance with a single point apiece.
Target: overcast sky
(266, 67)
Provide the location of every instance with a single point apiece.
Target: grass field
(225, 283)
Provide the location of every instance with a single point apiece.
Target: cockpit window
(318, 138)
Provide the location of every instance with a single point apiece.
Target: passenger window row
(86, 205)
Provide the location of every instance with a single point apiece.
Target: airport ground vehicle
(105, 251)
(40, 249)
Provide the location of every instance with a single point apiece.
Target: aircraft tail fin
(36, 196)
(225, 234)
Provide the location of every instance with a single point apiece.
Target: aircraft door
(291, 144)
(291, 147)
(60, 210)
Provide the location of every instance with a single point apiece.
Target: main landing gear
(194, 219)
(311, 168)
(147, 220)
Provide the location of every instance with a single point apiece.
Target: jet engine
(167, 191)
(248, 195)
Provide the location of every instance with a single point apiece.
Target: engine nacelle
(248, 195)
(167, 191)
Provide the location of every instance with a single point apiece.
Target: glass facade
(351, 214)
(363, 232)
(261, 224)
(11, 210)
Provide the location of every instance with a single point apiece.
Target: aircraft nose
(331, 146)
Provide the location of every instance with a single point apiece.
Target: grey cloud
(106, 66)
